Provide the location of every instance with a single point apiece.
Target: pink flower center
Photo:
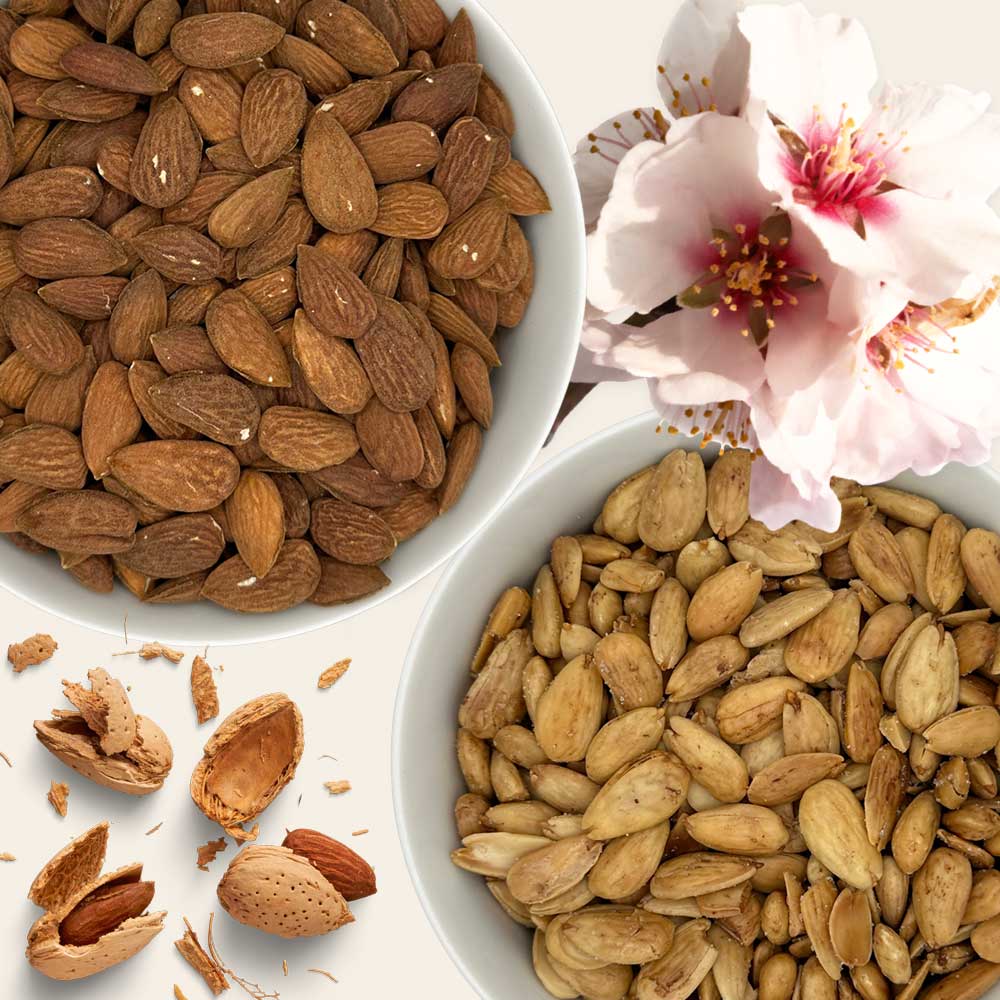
(751, 274)
(840, 169)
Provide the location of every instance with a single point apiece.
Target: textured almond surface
(706, 758)
(272, 246)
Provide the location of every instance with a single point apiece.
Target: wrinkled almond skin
(346, 870)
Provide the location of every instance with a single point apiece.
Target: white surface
(527, 390)
(591, 67)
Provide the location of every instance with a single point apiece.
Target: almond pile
(252, 261)
(705, 757)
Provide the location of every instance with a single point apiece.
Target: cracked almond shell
(105, 741)
(247, 761)
(280, 892)
(70, 876)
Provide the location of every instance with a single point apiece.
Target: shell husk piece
(138, 771)
(106, 710)
(247, 761)
(280, 892)
(70, 876)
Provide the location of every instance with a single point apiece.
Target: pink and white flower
(893, 180)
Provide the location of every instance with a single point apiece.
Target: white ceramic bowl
(563, 497)
(528, 389)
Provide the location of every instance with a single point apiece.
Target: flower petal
(702, 44)
(695, 358)
(929, 247)
(649, 243)
(599, 153)
(800, 63)
(775, 499)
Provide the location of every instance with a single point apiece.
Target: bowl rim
(409, 676)
(537, 436)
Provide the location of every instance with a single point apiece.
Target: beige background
(594, 58)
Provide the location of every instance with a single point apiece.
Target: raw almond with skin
(140, 312)
(250, 212)
(111, 67)
(83, 298)
(292, 580)
(111, 419)
(439, 97)
(336, 181)
(256, 517)
(396, 359)
(463, 453)
(345, 870)
(218, 406)
(42, 455)
(512, 262)
(245, 341)
(209, 190)
(348, 36)
(466, 160)
(40, 333)
(67, 248)
(410, 210)
(179, 254)
(330, 367)
(358, 106)
(221, 40)
(273, 112)
(335, 300)
(390, 441)
(176, 547)
(167, 157)
(525, 196)
(36, 47)
(456, 326)
(305, 440)
(350, 533)
(70, 192)
(188, 476)
(83, 521)
(470, 245)
(320, 72)
(402, 151)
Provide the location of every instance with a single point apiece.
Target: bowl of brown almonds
(289, 299)
(645, 747)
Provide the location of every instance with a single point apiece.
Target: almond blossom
(892, 179)
(785, 279)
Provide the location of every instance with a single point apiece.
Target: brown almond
(40, 333)
(463, 453)
(167, 157)
(320, 72)
(471, 244)
(525, 196)
(188, 476)
(209, 190)
(330, 367)
(293, 579)
(83, 521)
(179, 253)
(402, 151)
(110, 67)
(439, 97)
(176, 548)
(336, 181)
(390, 441)
(217, 406)
(411, 210)
(140, 312)
(337, 303)
(43, 455)
(36, 47)
(348, 36)
(67, 248)
(351, 533)
(304, 440)
(212, 98)
(251, 211)
(69, 192)
(256, 516)
(91, 298)
(278, 247)
(341, 583)
(396, 359)
(224, 39)
(272, 115)
(466, 161)
(111, 419)
(245, 341)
